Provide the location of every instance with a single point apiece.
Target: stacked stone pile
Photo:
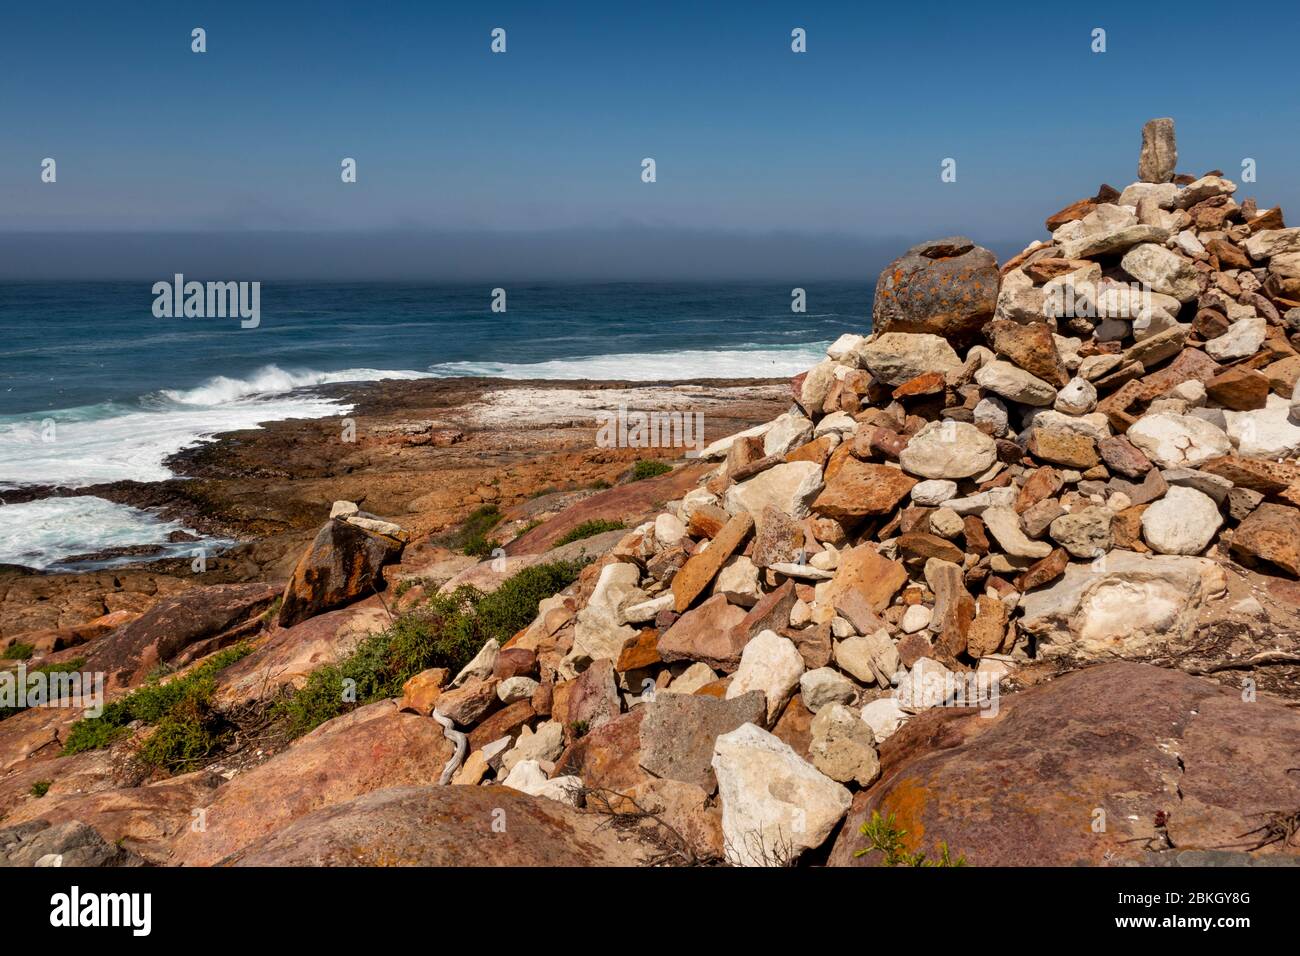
(1051, 458)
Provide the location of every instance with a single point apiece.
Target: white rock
(481, 666)
(804, 572)
(898, 357)
(516, 688)
(545, 743)
(1267, 432)
(1207, 187)
(948, 449)
(928, 684)
(843, 747)
(1215, 486)
(769, 663)
(1243, 339)
(915, 618)
(695, 499)
(787, 433)
(883, 716)
(647, 610)
(869, 657)
(933, 491)
(977, 504)
(846, 344)
(1178, 441)
(991, 411)
(775, 805)
(669, 530)
(1163, 270)
(1095, 424)
(828, 559)
(823, 686)
(789, 487)
(1123, 604)
(528, 777)
(1014, 384)
(946, 523)
(738, 580)
(692, 679)
(599, 631)
(1273, 242)
(1019, 300)
(1164, 194)
(374, 525)
(1004, 524)
(718, 449)
(1182, 522)
(1192, 392)
(1189, 244)
(341, 509)
(1079, 397)
(836, 423)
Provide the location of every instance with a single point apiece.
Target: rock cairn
(1051, 458)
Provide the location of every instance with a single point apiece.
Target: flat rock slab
(446, 826)
(695, 575)
(372, 748)
(678, 731)
(1124, 740)
(174, 629)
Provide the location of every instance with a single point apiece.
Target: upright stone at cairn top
(1159, 151)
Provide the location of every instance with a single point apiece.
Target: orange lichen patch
(908, 800)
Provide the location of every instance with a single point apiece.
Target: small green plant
(446, 631)
(535, 523)
(600, 484)
(587, 529)
(885, 836)
(187, 728)
(472, 537)
(405, 585)
(272, 612)
(578, 728)
(649, 468)
(40, 788)
(18, 652)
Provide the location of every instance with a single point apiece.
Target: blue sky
(748, 136)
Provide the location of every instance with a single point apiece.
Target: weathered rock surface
(1127, 743)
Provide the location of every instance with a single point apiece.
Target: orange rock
(420, 693)
(643, 651)
(695, 575)
(861, 488)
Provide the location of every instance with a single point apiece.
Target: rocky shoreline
(424, 447)
(1013, 579)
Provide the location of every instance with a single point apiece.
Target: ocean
(95, 388)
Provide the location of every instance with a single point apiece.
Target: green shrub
(446, 631)
(18, 652)
(40, 788)
(587, 529)
(187, 727)
(649, 468)
(472, 537)
(885, 836)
